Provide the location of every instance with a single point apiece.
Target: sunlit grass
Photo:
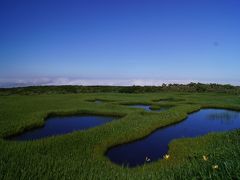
(80, 155)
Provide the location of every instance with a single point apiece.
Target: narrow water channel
(155, 146)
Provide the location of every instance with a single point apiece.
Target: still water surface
(155, 146)
(63, 125)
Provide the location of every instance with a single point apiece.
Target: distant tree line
(192, 87)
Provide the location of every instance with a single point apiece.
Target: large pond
(148, 108)
(155, 146)
(62, 125)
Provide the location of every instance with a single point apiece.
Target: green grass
(80, 155)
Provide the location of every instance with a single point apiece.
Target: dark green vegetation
(192, 87)
(80, 155)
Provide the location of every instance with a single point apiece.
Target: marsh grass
(80, 155)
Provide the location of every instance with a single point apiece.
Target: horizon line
(15, 82)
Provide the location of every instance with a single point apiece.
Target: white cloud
(13, 82)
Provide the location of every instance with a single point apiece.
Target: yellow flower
(166, 156)
(147, 159)
(205, 158)
(215, 166)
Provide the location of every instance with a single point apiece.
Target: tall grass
(80, 155)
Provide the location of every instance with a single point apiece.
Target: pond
(155, 146)
(148, 107)
(98, 102)
(62, 125)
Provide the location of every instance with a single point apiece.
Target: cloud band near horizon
(46, 81)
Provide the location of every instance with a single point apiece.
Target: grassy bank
(80, 155)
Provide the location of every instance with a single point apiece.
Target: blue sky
(117, 40)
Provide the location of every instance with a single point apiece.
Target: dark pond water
(148, 108)
(155, 146)
(62, 125)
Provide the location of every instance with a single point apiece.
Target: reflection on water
(63, 125)
(224, 117)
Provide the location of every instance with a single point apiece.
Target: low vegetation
(192, 87)
(80, 155)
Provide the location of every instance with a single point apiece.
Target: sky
(119, 42)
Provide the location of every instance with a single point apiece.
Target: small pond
(148, 108)
(98, 102)
(62, 125)
(155, 146)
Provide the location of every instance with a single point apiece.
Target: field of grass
(80, 155)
